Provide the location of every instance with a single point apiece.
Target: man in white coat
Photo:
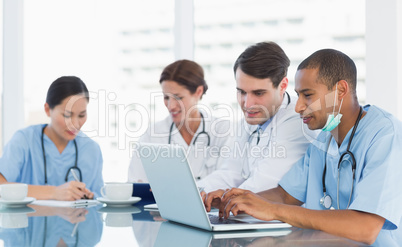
(271, 137)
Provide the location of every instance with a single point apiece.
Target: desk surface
(132, 226)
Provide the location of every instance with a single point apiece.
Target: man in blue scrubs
(360, 196)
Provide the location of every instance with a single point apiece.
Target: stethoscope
(326, 200)
(245, 172)
(75, 167)
(258, 130)
(203, 132)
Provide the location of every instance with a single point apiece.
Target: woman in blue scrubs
(56, 160)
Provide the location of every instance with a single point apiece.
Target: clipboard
(143, 190)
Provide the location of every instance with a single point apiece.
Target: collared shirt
(264, 126)
(376, 146)
(283, 142)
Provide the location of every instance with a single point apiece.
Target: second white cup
(117, 191)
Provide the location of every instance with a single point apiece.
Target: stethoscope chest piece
(326, 201)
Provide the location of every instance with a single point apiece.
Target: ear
(283, 85)
(47, 109)
(343, 89)
(200, 91)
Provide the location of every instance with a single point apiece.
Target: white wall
(13, 93)
(384, 54)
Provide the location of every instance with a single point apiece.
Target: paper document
(56, 203)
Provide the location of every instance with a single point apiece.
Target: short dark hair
(264, 60)
(332, 66)
(186, 73)
(64, 87)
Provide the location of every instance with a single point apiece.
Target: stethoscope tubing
(202, 132)
(45, 163)
(348, 152)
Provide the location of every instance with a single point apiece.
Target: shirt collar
(284, 103)
(265, 125)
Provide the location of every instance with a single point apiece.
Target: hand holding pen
(70, 191)
(76, 179)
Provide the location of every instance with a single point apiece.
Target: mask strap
(336, 90)
(340, 106)
(336, 95)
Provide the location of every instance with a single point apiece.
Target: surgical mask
(333, 121)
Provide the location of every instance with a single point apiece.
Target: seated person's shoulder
(84, 141)
(379, 120)
(26, 134)
(160, 127)
(221, 125)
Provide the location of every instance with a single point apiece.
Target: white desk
(100, 226)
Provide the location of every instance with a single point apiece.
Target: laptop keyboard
(215, 220)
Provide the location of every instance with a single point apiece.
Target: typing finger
(231, 206)
(208, 202)
(233, 191)
(203, 195)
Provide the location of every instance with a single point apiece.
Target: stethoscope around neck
(202, 132)
(258, 130)
(75, 167)
(326, 200)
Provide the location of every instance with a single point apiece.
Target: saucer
(119, 203)
(16, 204)
(120, 210)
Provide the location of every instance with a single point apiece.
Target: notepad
(75, 204)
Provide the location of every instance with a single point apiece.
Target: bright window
(118, 48)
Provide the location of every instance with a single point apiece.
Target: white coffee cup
(13, 220)
(117, 191)
(14, 192)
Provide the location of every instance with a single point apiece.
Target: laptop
(172, 234)
(177, 196)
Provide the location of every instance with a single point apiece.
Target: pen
(76, 179)
(74, 175)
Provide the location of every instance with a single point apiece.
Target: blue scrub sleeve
(377, 190)
(294, 182)
(98, 180)
(91, 163)
(14, 157)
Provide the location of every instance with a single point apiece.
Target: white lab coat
(281, 145)
(203, 159)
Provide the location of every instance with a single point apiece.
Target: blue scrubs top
(22, 160)
(377, 147)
